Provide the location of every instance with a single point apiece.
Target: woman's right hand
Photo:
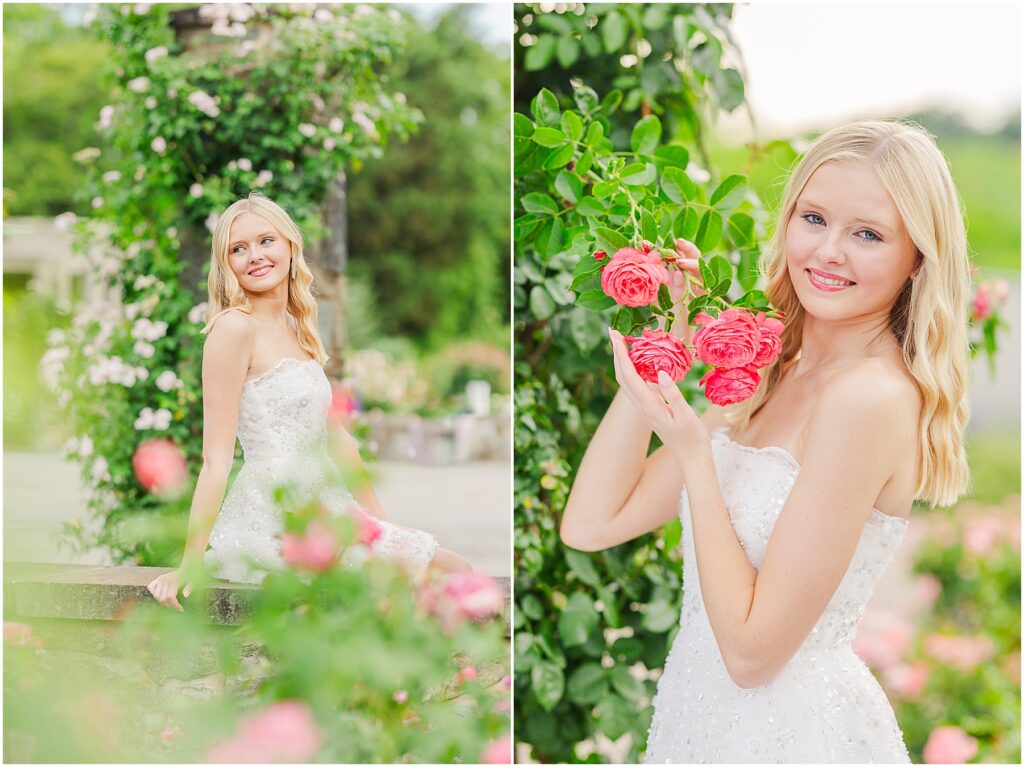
(165, 589)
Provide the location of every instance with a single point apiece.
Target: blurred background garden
(384, 131)
(739, 90)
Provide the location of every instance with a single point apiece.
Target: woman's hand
(681, 289)
(668, 413)
(165, 589)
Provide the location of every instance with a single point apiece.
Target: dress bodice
(284, 411)
(755, 484)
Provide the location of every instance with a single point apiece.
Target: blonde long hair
(929, 317)
(227, 294)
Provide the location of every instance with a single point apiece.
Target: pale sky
(812, 66)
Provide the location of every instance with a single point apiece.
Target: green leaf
(572, 125)
(614, 31)
(729, 86)
(531, 607)
(536, 202)
(588, 684)
(677, 186)
(646, 135)
(586, 281)
(627, 685)
(547, 684)
(559, 158)
(707, 275)
(522, 126)
(610, 240)
(660, 616)
(585, 162)
(709, 232)
(550, 238)
(752, 298)
(686, 224)
(524, 225)
(538, 55)
(664, 299)
(623, 320)
(589, 206)
(568, 186)
(582, 565)
(595, 132)
(731, 187)
(595, 301)
(568, 50)
(577, 620)
(548, 137)
(586, 99)
(586, 329)
(541, 303)
(627, 650)
(721, 267)
(615, 716)
(741, 228)
(671, 157)
(638, 174)
(544, 108)
(604, 189)
(648, 227)
(698, 305)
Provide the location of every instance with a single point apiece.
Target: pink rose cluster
(317, 548)
(284, 732)
(633, 275)
(462, 596)
(949, 745)
(735, 344)
(988, 296)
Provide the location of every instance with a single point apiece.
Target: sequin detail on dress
(282, 425)
(824, 706)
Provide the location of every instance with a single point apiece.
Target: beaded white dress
(282, 426)
(824, 706)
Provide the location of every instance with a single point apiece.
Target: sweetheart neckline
(795, 465)
(275, 366)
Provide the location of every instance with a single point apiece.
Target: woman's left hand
(663, 405)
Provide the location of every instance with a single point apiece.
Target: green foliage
(438, 252)
(375, 659)
(51, 99)
(602, 163)
(195, 130)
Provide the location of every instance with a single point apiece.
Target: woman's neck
(825, 343)
(272, 309)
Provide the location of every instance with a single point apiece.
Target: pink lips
(812, 273)
(261, 271)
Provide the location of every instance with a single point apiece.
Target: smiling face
(258, 254)
(847, 250)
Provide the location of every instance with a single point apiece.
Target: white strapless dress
(282, 425)
(824, 706)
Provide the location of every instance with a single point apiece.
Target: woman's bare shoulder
(875, 388)
(232, 326)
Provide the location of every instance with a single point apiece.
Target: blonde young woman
(263, 380)
(794, 502)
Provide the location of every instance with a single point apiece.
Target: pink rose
(498, 751)
(467, 674)
(730, 340)
(982, 535)
(949, 745)
(882, 639)
(20, 635)
(769, 343)
(964, 652)
(927, 588)
(728, 386)
(658, 350)
(315, 550)
(160, 467)
(284, 732)
(401, 697)
(906, 682)
(475, 595)
(632, 277)
(368, 528)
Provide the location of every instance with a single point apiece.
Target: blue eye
(808, 216)
(874, 237)
(236, 248)
(266, 239)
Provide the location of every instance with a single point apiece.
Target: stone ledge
(105, 593)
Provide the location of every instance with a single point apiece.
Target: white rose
(156, 53)
(145, 419)
(111, 176)
(166, 380)
(141, 373)
(159, 145)
(197, 313)
(139, 84)
(85, 446)
(144, 350)
(100, 469)
(336, 124)
(307, 129)
(196, 190)
(245, 164)
(161, 419)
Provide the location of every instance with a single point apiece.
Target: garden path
(465, 505)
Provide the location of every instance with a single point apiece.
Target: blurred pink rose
(949, 745)
(632, 276)
(769, 342)
(982, 535)
(475, 595)
(368, 528)
(400, 697)
(284, 732)
(315, 550)
(927, 588)
(498, 751)
(343, 404)
(467, 674)
(20, 635)
(725, 387)
(964, 652)
(658, 350)
(882, 639)
(906, 682)
(160, 467)
(730, 340)
(159, 145)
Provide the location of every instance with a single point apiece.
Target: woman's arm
(856, 435)
(226, 357)
(345, 451)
